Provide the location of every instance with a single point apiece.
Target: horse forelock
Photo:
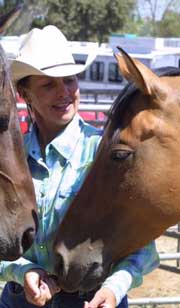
(126, 95)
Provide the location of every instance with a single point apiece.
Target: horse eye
(120, 154)
(4, 122)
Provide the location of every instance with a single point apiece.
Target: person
(60, 149)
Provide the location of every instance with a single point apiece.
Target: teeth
(62, 105)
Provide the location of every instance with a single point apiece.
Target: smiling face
(54, 101)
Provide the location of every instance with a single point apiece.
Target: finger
(31, 284)
(105, 305)
(86, 305)
(97, 301)
(43, 297)
(36, 301)
(45, 291)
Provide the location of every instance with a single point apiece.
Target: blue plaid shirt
(57, 180)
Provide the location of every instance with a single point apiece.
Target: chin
(65, 120)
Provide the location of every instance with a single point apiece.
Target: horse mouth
(82, 281)
(10, 252)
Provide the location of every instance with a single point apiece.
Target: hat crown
(44, 48)
(47, 52)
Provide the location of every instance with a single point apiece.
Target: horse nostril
(28, 238)
(95, 265)
(35, 217)
(60, 266)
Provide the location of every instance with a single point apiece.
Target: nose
(28, 238)
(62, 87)
(14, 247)
(74, 275)
(69, 275)
(29, 233)
(78, 267)
(61, 262)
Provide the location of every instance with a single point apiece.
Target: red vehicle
(24, 120)
(95, 118)
(23, 114)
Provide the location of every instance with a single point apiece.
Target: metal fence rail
(169, 256)
(154, 301)
(94, 107)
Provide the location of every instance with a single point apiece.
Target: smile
(62, 107)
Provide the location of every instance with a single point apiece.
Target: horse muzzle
(83, 272)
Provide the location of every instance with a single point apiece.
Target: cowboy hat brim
(20, 69)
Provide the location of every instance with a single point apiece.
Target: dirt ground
(161, 282)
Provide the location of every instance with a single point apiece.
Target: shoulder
(91, 135)
(90, 130)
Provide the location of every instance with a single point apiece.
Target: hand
(104, 298)
(39, 287)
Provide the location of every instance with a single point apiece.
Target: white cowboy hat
(47, 52)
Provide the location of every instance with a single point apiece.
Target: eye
(4, 122)
(69, 79)
(48, 84)
(120, 154)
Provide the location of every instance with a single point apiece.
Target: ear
(133, 70)
(23, 92)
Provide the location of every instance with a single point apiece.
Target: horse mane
(127, 93)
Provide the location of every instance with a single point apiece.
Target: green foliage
(134, 26)
(7, 6)
(93, 20)
(79, 19)
(88, 20)
(169, 26)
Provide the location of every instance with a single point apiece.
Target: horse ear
(133, 70)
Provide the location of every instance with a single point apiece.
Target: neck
(45, 136)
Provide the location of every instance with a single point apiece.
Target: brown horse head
(132, 193)
(18, 219)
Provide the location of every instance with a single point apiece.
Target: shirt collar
(32, 147)
(64, 143)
